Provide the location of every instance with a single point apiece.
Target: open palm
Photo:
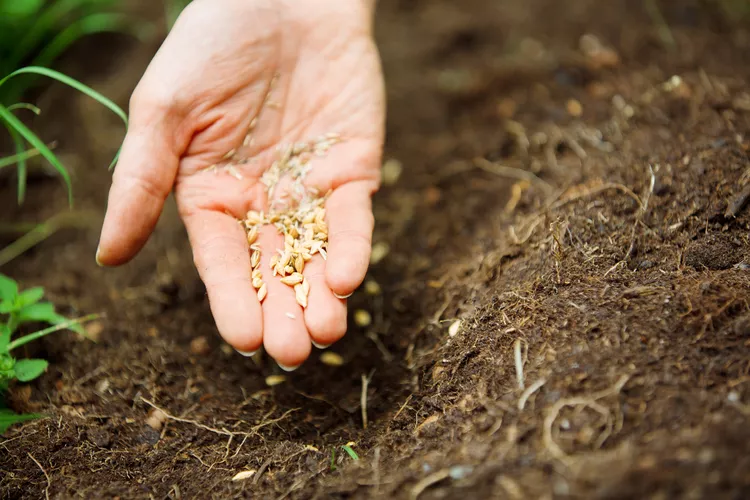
(235, 81)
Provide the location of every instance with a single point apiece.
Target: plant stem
(41, 333)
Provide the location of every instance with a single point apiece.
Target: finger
(350, 226)
(143, 179)
(325, 315)
(221, 255)
(285, 336)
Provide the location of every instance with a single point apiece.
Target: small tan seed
(257, 283)
(300, 295)
(372, 287)
(331, 359)
(273, 380)
(293, 279)
(262, 292)
(252, 235)
(257, 274)
(289, 269)
(379, 252)
(362, 318)
(299, 263)
(255, 259)
(274, 260)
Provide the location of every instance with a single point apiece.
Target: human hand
(315, 66)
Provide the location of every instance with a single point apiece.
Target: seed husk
(255, 259)
(258, 283)
(262, 292)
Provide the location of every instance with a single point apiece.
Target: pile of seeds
(301, 219)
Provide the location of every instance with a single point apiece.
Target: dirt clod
(715, 251)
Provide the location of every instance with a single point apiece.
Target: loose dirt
(560, 308)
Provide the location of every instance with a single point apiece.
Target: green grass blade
(43, 333)
(11, 160)
(25, 105)
(71, 82)
(21, 163)
(348, 449)
(8, 418)
(32, 139)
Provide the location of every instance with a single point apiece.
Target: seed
(254, 217)
(574, 108)
(262, 292)
(391, 171)
(243, 475)
(299, 263)
(273, 380)
(331, 359)
(200, 346)
(454, 328)
(306, 256)
(306, 286)
(274, 260)
(362, 318)
(257, 283)
(252, 235)
(288, 240)
(379, 251)
(372, 287)
(324, 254)
(289, 269)
(293, 279)
(255, 259)
(300, 295)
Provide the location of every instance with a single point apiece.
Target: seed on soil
(379, 252)
(200, 346)
(575, 109)
(156, 419)
(362, 318)
(245, 474)
(372, 287)
(331, 359)
(391, 171)
(454, 328)
(273, 380)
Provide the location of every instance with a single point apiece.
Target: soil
(603, 349)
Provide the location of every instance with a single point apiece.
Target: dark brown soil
(604, 344)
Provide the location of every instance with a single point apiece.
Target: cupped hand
(234, 82)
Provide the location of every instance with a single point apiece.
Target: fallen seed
(454, 328)
(391, 172)
(372, 287)
(362, 318)
(245, 474)
(379, 252)
(331, 359)
(273, 380)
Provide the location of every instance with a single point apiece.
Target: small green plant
(16, 309)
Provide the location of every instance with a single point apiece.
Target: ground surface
(603, 349)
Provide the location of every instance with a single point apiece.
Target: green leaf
(43, 311)
(29, 369)
(21, 162)
(32, 138)
(30, 296)
(20, 8)
(8, 418)
(8, 288)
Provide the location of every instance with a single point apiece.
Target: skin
(195, 103)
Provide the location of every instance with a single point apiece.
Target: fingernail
(98, 262)
(320, 346)
(287, 368)
(248, 354)
(342, 297)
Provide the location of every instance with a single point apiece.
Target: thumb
(143, 178)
